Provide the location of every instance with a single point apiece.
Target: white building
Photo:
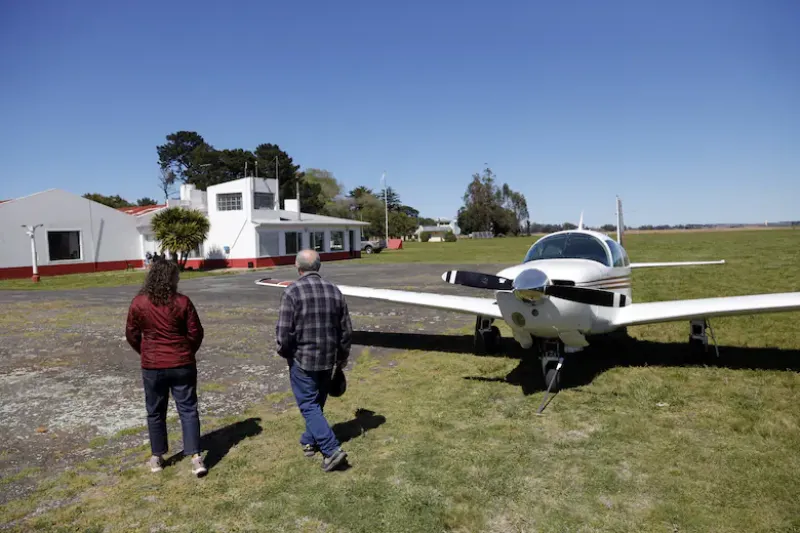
(438, 231)
(247, 230)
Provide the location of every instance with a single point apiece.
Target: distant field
(640, 440)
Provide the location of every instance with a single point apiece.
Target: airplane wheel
(487, 342)
(548, 377)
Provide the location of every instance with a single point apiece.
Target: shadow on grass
(219, 442)
(363, 421)
(605, 353)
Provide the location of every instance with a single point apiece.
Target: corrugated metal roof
(138, 210)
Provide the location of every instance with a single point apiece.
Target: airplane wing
(461, 304)
(676, 263)
(652, 312)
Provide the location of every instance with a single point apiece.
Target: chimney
(297, 189)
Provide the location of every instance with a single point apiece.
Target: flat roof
(290, 217)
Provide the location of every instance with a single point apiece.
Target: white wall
(106, 234)
(231, 228)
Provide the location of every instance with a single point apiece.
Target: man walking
(313, 334)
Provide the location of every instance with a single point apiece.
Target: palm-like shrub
(180, 231)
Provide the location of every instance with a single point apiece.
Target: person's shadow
(219, 442)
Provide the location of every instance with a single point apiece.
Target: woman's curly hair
(161, 283)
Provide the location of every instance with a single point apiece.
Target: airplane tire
(548, 377)
(487, 342)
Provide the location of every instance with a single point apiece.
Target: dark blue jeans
(182, 382)
(310, 391)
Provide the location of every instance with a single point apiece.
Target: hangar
(248, 230)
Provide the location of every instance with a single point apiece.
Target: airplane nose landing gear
(551, 355)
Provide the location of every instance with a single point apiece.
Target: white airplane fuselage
(552, 317)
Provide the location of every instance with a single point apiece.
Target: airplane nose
(530, 284)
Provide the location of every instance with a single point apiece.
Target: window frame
(312, 238)
(271, 195)
(332, 233)
(227, 197)
(298, 241)
(81, 255)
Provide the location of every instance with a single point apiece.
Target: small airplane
(571, 285)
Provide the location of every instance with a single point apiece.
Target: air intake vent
(564, 282)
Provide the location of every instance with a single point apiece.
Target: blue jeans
(310, 391)
(182, 381)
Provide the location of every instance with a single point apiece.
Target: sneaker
(156, 463)
(330, 463)
(309, 450)
(198, 467)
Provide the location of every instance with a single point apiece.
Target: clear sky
(689, 110)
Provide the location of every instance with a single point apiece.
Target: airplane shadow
(603, 354)
(363, 421)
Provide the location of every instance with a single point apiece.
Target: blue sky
(690, 111)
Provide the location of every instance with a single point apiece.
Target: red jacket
(165, 336)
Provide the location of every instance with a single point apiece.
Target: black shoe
(332, 462)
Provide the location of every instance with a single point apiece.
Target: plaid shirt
(313, 324)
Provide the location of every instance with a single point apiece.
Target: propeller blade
(477, 280)
(586, 296)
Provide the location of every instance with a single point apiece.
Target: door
(354, 245)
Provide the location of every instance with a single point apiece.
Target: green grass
(637, 448)
(96, 279)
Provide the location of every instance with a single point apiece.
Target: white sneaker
(156, 463)
(198, 467)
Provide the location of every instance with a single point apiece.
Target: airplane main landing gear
(487, 336)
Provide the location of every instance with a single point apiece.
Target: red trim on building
(71, 268)
(204, 264)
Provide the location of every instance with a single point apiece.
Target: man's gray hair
(307, 261)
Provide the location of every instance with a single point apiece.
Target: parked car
(373, 246)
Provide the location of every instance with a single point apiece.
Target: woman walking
(165, 330)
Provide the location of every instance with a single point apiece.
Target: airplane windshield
(568, 246)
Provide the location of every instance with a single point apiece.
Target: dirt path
(70, 386)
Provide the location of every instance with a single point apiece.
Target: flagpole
(386, 204)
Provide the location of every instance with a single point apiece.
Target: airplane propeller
(532, 285)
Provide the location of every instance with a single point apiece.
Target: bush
(425, 236)
(450, 237)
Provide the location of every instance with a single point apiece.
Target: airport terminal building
(248, 230)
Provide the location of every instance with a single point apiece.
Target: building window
(293, 242)
(317, 241)
(197, 253)
(268, 243)
(231, 201)
(337, 241)
(263, 200)
(64, 245)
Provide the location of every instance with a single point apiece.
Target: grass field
(640, 441)
(100, 279)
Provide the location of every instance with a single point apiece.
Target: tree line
(186, 157)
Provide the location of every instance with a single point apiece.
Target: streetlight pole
(31, 231)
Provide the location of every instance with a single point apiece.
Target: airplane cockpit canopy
(569, 246)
